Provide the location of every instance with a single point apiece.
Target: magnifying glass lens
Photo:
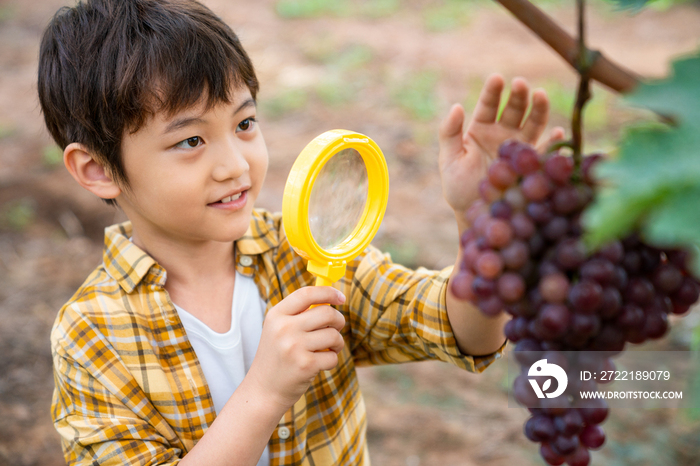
(338, 198)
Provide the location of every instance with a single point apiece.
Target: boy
(157, 360)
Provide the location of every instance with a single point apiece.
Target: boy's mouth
(229, 199)
(232, 198)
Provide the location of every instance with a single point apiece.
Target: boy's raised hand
(465, 154)
(295, 341)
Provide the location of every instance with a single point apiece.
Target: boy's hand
(465, 155)
(294, 343)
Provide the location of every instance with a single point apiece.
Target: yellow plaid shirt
(129, 387)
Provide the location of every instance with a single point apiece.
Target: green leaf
(678, 96)
(677, 221)
(653, 166)
(654, 183)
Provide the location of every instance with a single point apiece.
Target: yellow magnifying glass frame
(328, 265)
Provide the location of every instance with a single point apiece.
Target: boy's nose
(230, 163)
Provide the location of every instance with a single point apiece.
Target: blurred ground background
(386, 68)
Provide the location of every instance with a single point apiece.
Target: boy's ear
(89, 174)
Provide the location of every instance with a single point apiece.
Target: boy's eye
(246, 124)
(189, 143)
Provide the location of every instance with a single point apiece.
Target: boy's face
(195, 176)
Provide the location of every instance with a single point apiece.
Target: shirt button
(246, 261)
(284, 433)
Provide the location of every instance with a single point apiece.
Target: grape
(471, 253)
(515, 198)
(594, 411)
(524, 254)
(688, 292)
(554, 318)
(489, 192)
(570, 253)
(511, 287)
(549, 456)
(523, 226)
(614, 252)
(540, 212)
(580, 457)
(621, 278)
(599, 270)
(586, 296)
(555, 228)
(632, 261)
(592, 436)
(631, 316)
(559, 168)
(477, 208)
(498, 233)
(554, 288)
(516, 329)
(540, 428)
(656, 325)
(482, 287)
(501, 175)
(569, 424)
(508, 150)
(490, 306)
(639, 291)
(667, 278)
(564, 445)
(501, 209)
(585, 325)
(515, 255)
(489, 264)
(536, 187)
(611, 302)
(525, 160)
(566, 200)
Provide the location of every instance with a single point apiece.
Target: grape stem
(584, 61)
(602, 69)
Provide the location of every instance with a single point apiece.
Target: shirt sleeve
(397, 314)
(94, 423)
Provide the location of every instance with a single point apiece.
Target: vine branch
(584, 64)
(602, 70)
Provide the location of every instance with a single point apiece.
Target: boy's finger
(486, 109)
(322, 317)
(516, 106)
(324, 339)
(303, 298)
(450, 131)
(536, 121)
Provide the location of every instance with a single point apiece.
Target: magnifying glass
(334, 201)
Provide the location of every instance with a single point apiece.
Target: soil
(390, 74)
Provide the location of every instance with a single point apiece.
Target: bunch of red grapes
(524, 255)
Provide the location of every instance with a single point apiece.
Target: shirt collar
(129, 265)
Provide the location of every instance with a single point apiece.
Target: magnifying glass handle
(321, 281)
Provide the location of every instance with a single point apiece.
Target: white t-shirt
(226, 357)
